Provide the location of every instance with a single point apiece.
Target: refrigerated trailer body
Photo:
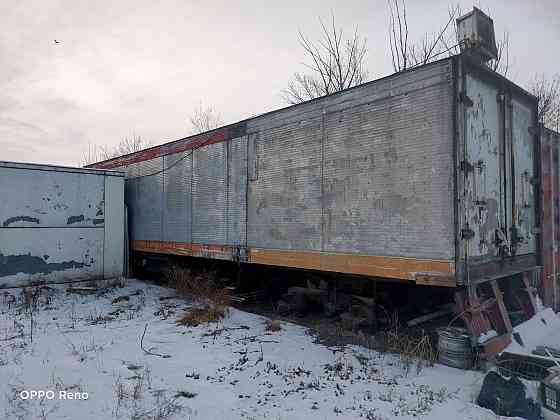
(59, 224)
(426, 176)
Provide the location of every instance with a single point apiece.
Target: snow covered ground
(543, 329)
(231, 370)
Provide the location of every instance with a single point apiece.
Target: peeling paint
(16, 219)
(28, 264)
(75, 219)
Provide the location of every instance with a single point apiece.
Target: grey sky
(125, 67)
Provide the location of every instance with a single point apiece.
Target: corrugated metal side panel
(146, 206)
(285, 195)
(113, 251)
(523, 148)
(47, 198)
(177, 197)
(237, 191)
(379, 90)
(388, 184)
(209, 225)
(290, 150)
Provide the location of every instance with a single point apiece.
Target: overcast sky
(136, 66)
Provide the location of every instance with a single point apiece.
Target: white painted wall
(59, 224)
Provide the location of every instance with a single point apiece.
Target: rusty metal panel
(484, 194)
(524, 177)
(388, 176)
(177, 197)
(50, 198)
(209, 195)
(285, 205)
(556, 216)
(145, 199)
(236, 217)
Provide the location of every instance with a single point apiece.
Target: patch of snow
(542, 329)
(484, 337)
(89, 344)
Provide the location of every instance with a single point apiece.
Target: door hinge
(467, 233)
(466, 166)
(463, 97)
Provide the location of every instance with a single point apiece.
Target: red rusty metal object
(555, 278)
(472, 312)
(188, 143)
(494, 346)
(547, 222)
(501, 314)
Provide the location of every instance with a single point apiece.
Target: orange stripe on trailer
(412, 269)
(185, 249)
(425, 272)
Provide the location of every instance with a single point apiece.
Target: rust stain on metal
(367, 265)
(432, 272)
(430, 279)
(186, 249)
(193, 142)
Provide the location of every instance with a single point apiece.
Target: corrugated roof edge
(59, 168)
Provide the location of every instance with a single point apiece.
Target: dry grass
(203, 288)
(273, 325)
(200, 286)
(412, 349)
(202, 315)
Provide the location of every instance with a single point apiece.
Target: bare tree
(398, 35)
(204, 119)
(406, 53)
(91, 155)
(336, 63)
(547, 92)
(128, 145)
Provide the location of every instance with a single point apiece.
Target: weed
(120, 394)
(202, 315)
(201, 287)
(186, 394)
(273, 325)
(118, 299)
